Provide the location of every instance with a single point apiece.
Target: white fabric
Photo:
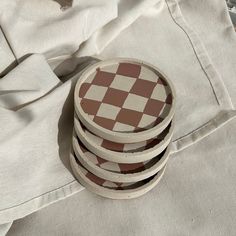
(195, 197)
(36, 108)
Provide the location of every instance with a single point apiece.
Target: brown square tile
(103, 78)
(143, 88)
(129, 69)
(129, 117)
(95, 179)
(131, 168)
(100, 160)
(104, 122)
(118, 147)
(90, 106)
(83, 89)
(153, 107)
(169, 99)
(115, 97)
(161, 81)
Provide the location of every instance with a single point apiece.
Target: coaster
(118, 172)
(124, 100)
(111, 189)
(124, 153)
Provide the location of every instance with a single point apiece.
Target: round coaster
(118, 172)
(124, 100)
(111, 189)
(124, 153)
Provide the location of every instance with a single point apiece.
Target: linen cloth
(171, 44)
(195, 197)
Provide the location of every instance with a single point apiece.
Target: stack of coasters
(123, 126)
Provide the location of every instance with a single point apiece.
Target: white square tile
(110, 166)
(140, 146)
(96, 93)
(160, 93)
(135, 102)
(110, 68)
(123, 83)
(108, 111)
(123, 127)
(147, 121)
(94, 138)
(91, 157)
(148, 74)
(90, 78)
(165, 110)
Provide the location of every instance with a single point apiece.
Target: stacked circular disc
(123, 126)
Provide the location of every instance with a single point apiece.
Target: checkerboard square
(103, 78)
(93, 137)
(147, 74)
(129, 117)
(118, 147)
(100, 160)
(135, 102)
(110, 68)
(104, 122)
(128, 69)
(165, 111)
(95, 178)
(83, 89)
(122, 83)
(139, 146)
(111, 166)
(108, 111)
(162, 81)
(136, 167)
(143, 88)
(159, 93)
(154, 107)
(115, 97)
(169, 99)
(96, 92)
(147, 121)
(123, 127)
(89, 106)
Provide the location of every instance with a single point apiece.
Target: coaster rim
(116, 176)
(116, 136)
(111, 193)
(121, 157)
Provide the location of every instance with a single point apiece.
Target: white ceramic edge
(111, 193)
(120, 137)
(119, 177)
(122, 157)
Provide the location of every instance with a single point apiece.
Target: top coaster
(124, 100)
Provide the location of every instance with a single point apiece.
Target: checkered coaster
(118, 167)
(125, 97)
(125, 147)
(109, 184)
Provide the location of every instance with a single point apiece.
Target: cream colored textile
(36, 106)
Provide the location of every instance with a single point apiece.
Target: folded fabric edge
(214, 124)
(32, 205)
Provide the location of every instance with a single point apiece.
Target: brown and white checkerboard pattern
(125, 97)
(125, 147)
(117, 167)
(109, 184)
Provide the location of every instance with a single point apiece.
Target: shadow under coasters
(124, 100)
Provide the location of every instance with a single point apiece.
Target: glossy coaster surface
(110, 189)
(124, 152)
(122, 97)
(118, 171)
